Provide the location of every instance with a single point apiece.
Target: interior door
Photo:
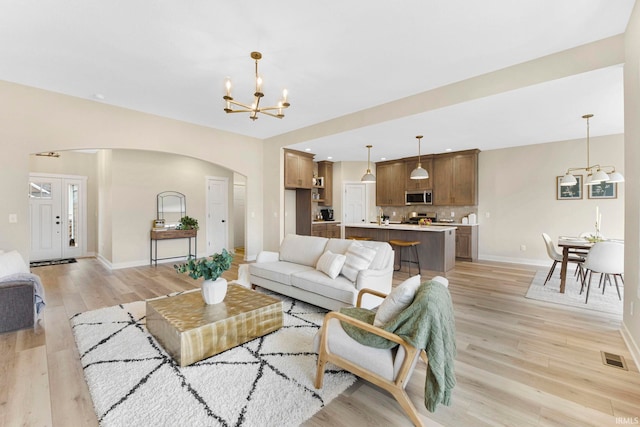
(355, 202)
(45, 216)
(217, 214)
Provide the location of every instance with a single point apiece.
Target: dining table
(569, 245)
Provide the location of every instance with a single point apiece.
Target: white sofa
(292, 271)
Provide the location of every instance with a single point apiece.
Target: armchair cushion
(397, 300)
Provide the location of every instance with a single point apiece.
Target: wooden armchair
(386, 368)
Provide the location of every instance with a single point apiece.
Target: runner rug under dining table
(265, 382)
(607, 302)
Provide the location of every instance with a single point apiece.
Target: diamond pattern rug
(607, 302)
(265, 382)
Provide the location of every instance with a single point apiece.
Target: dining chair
(557, 257)
(606, 258)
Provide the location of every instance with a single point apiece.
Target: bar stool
(358, 238)
(407, 244)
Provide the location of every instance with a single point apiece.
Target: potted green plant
(214, 287)
(188, 223)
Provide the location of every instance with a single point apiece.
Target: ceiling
(334, 57)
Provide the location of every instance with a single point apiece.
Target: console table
(171, 235)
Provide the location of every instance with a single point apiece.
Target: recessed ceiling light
(448, 149)
(98, 96)
(383, 158)
(307, 149)
(329, 157)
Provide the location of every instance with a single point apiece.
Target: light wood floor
(519, 363)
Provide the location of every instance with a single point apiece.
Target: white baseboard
(511, 260)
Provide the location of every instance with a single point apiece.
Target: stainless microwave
(422, 197)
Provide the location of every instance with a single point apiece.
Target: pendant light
(419, 172)
(368, 176)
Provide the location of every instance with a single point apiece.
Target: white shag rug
(607, 302)
(265, 382)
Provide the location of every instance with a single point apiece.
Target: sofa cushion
(305, 250)
(383, 254)
(358, 258)
(315, 281)
(278, 271)
(12, 263)
(397, 301)
(331, 264)
(339, 246)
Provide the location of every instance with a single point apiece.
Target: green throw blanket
(427, 324)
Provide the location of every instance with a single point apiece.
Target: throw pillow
(399, 299)
(358, 258)
(331, 264)
(12, 263)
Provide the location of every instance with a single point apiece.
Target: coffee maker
(327, 214)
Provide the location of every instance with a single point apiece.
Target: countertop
(321, 221)
(406, 227)
(457, 224)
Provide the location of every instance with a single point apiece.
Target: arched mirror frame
(171, 206)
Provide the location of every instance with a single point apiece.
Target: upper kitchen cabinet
(418, 184)
(298, 169)
(455, 178)
(325, 170)
(389, 183)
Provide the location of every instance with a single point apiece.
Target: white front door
(217, 214)
(57, 216)
(45, 212)
(355, 202)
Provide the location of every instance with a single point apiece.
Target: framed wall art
(604, 190)
(569, 192)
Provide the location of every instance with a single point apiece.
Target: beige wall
(517, 188)
(34, 120)
(631, 329)
(137, 177)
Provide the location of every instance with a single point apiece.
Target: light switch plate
(13, 218)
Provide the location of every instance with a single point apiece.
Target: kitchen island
(437, 249)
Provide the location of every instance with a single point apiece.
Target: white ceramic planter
(214, 291)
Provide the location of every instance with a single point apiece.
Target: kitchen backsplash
(397, 213)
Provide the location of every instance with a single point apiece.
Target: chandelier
(255, 107)
(596, 173)
(419, 172)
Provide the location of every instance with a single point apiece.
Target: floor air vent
(614, 360)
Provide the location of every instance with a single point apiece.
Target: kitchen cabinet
(390, 183)
(467, 243)
(330, 229)
(298, 169)
(325, 170)
(455, 179)
(303, 211)
(418, 184)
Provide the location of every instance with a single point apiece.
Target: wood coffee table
(190, 330)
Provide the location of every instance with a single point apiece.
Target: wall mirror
(172, 206)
